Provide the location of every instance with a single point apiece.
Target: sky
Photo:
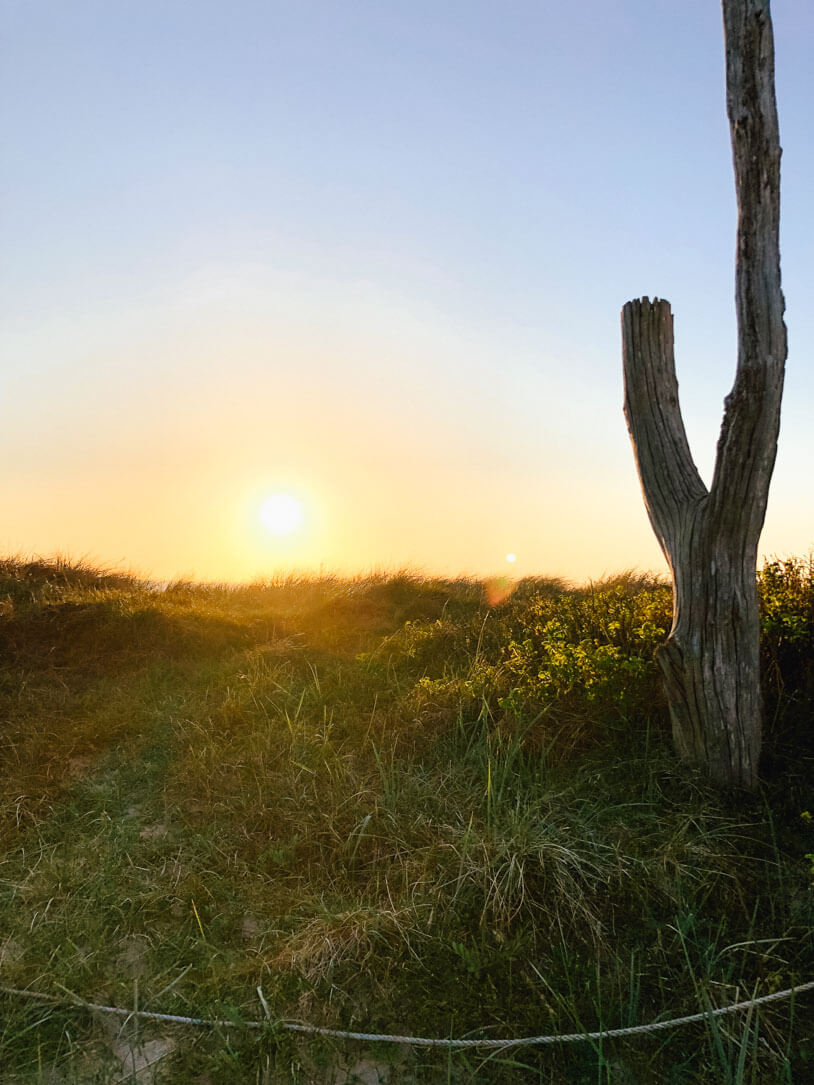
(371, 255)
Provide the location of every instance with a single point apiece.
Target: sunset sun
(282, 514)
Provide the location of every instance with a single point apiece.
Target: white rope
(417, 1041)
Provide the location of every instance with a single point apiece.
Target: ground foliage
(395, 804)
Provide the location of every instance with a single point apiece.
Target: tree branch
(669, 477)
(748, 442)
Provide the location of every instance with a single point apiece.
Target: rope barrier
(414, 1041)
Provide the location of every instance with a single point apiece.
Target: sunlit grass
(393, 807)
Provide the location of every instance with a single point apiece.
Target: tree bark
(709, 537)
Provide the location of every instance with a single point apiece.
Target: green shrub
(786, 590)
(591, 648)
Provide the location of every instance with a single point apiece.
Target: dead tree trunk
(710, 537)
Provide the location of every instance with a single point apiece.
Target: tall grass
(393, 807)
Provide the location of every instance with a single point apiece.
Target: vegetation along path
(395, 808)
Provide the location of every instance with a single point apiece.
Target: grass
(392, 807)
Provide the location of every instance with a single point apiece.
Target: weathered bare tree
(709, 537)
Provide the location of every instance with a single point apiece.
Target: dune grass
(393, 807)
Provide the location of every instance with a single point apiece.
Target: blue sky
(372, 254)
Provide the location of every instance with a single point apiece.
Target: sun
(282, 514)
